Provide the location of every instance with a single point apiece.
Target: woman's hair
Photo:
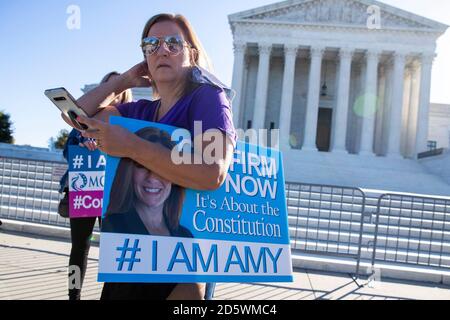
(123, 198)
(126, 96)
(198, 53)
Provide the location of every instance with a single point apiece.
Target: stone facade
(440, 125)
(352, 101)
(377, 80)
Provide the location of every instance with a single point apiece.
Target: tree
(6, 128)
(60, 139)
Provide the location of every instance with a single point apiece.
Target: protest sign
(238, 233)
(86, 182)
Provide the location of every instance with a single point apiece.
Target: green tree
(60, 139)
(6, 128)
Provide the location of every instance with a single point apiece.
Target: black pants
(81, 232)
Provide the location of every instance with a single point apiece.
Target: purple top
(206, 103)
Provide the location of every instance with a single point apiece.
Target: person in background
(81, 228)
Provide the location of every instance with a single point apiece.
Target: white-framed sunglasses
(173, 44)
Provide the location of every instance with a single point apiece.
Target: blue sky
(39, 52)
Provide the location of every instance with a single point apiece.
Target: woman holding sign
(174, 67)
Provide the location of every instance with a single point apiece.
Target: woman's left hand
(111, 139)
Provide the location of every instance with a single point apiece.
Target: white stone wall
(354, 121)
(440, 125)
(275, 88)
(387, 106)
(249, 94)
(439, 166)
(299, 102)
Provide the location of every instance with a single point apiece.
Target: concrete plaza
(35, 268)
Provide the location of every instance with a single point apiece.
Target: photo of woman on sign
(143, 202)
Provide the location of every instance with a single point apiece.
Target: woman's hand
(110, 139)
(188, 291)
(103, 115)
(138, 76)
(90, 144)
(68, 121)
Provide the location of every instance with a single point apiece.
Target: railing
(412, 230)
(323, 220)
(29, 190)
(326, 220)
(431, 153)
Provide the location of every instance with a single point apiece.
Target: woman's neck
(153, 219)
(170, 93)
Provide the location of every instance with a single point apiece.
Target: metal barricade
(412, 230)
(323, 219)
(29, 190)
(326, 220)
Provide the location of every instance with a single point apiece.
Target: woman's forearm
(192, 176)
(120, 142)
(101, 96)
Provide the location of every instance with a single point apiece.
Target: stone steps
(354, 227)
(427, 222)
(389, 254)
(396, 271)
(383, 241)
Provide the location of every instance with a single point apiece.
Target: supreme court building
(347, 83)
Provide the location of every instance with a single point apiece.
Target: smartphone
(64, 101)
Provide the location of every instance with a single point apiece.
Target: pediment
(338, 13)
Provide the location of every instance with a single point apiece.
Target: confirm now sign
(237, 233)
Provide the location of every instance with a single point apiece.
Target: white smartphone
(64, 101)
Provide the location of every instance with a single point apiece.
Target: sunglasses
(173, 44)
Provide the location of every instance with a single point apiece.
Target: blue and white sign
(238, 233)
